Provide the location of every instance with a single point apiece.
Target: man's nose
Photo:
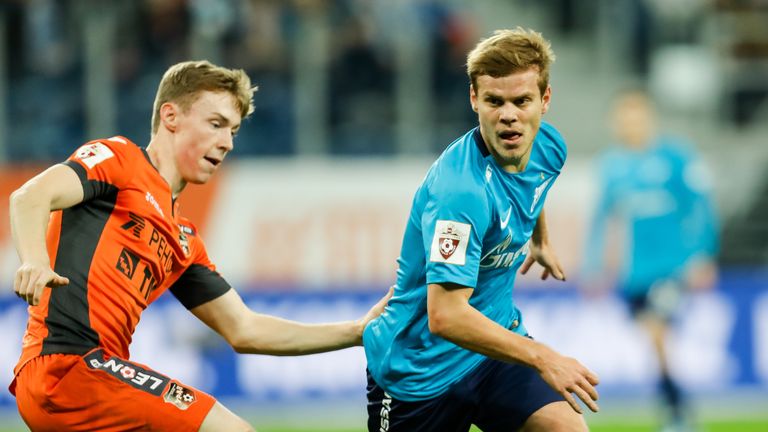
(509, 113)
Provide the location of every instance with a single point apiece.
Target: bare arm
(542, 253)
(56, 188)
(255, 333)
(453, 318)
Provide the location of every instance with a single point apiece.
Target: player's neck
(160, 154)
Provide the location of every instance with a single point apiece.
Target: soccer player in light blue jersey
(451, 348)
(658, 189)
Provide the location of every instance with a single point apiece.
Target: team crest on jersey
(449, 244)
(184, 242)
(93, 154)
(180, 396)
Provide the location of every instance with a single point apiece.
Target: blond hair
(509, 51)
(183, 82)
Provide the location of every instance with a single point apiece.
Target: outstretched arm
(542, 253)
(453, 318)
(30, 207)
(254, 333)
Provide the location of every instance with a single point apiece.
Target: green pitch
(714, 426)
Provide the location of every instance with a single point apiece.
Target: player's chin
(200, 178)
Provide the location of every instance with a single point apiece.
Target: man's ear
(473, 97)
(169, 116)
(545, 99)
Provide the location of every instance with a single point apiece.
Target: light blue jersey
(470, 224)
(661, 194)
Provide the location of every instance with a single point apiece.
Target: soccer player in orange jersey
(115, 242)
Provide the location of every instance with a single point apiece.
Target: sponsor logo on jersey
(449, 244)
(127, 263)
(180, 396)
(128, 372)
(151, 199)
(504, 222)
(539, 191)
(498, 258)
(136, 223)
(93, 154)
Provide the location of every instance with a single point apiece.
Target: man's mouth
(510, 136)
(213, 161)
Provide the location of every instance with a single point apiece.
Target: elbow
(439, 323)
(17, 197)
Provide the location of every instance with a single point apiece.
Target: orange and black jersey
(121, 248)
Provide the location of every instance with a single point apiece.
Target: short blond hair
(509, 51)
(183, 82)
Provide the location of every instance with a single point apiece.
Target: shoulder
(103, 149)
(460, 167)
(553, 143)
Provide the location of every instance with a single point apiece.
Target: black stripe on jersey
(91, 188)
(197, 285)
(481, 143)
(68, 321)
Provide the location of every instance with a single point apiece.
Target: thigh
(445, 413)
(95, 392)
(508, 394)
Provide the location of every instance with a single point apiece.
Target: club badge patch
(449, 244)
(180, 396)
(93, 154)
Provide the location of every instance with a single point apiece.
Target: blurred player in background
(451, 348)
(115, 242)
(658, 190)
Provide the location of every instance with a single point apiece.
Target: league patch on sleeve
(93, 154)
(449, 244)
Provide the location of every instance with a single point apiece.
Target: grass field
(724, 413)
(713, 426)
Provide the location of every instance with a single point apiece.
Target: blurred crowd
(46, 43)
(45, 58)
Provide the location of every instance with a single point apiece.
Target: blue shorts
(496, 396)
(661, 299)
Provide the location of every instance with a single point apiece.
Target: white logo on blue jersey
(538, 192)
(497, 258)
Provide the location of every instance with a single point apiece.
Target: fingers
(58, 281)
(588, 395)
(30, 282)
(545, 274)
(526, 265)
(572, 402)
(557, 270)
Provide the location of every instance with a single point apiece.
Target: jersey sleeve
(104, 165)
(200, 282)
(701, 220)
(453, 224)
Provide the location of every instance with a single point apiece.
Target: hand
(568, 377)
(31, 278)
(374, 312)
(701, 275)
(545, 256)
